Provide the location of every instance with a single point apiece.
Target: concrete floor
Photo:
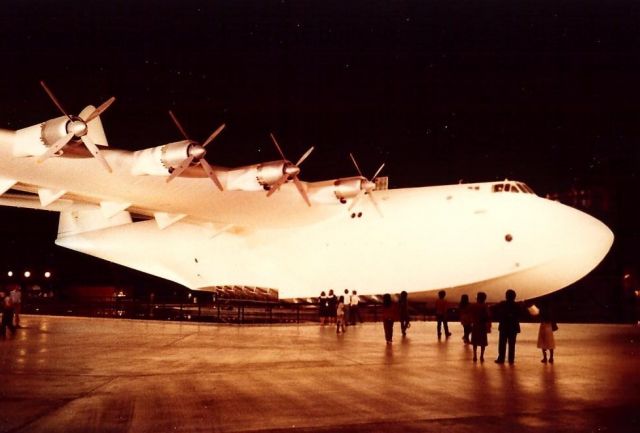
(67, 374)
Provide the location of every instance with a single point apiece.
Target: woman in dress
(546, 341)
(480, 327)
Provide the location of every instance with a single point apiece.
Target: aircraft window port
(353, 215)
(508, 238)
(359, 214)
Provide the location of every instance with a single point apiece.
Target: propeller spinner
(196, 152)
(290, 171)
(77, 128)
(366, 186)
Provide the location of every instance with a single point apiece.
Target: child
(340, 316)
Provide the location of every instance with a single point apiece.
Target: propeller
(366, 186)
(196, 152)
(77, 128)
(290, 171)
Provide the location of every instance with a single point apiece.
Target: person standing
(441, 314)
(340, 325)
(333, 304)
(323, 307)
(354, 310)
(7, 315)
(466, 318)
(389, 315)
(481, 326)
(347, 307)
(16, 299)
(508, 312)
(546, 340)
(403, 306)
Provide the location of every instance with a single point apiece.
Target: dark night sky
(543, 91)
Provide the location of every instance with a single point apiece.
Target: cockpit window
(525, 188)
(510, 186)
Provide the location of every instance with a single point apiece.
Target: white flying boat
(166, 211)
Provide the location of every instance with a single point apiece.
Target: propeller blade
(301, 189)
(180, 128)
(98, 111)
(54, 99)
(355, 200)
(277, 146)
(356, 164)
(375, 202)
(182, 167)
(276, 186)
(303, 157)
(56, 147)
(212, 175)
(95, 152)
(214, 135)
(377, 172)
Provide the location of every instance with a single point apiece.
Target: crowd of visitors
(476, 320)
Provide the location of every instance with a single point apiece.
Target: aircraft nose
(592, 235)
(582, 242)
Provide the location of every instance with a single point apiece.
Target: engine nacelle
(347, 187)
(158, 161)
(35, 140)
(269, 172)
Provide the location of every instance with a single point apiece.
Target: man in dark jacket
(508, 312)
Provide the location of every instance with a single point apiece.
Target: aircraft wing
(63, 183)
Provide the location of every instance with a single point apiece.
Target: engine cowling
(268, 173)
(160, 160)
(347, 187)
(37, 139)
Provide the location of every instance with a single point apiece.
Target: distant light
(27, 274)
(47, 274)
(625, 276)
(10, 273)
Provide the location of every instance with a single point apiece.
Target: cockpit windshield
(511, 186)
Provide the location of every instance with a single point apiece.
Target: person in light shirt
(354, 312)
(347, 307)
